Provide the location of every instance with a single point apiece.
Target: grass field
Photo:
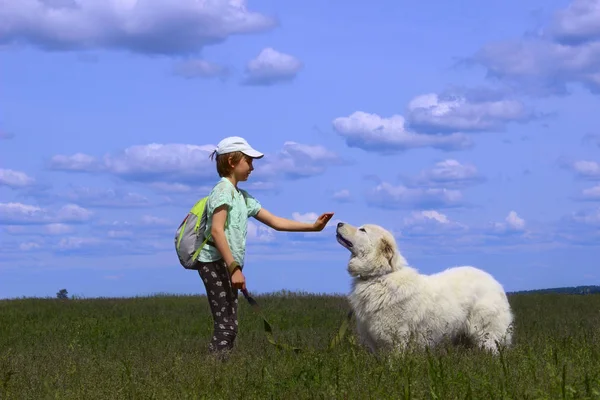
(155, 348)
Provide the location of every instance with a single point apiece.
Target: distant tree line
(582, 290)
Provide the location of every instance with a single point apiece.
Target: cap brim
(253, 153)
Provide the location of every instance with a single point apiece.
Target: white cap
(236, 143)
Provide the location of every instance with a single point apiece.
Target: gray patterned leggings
(223, 300)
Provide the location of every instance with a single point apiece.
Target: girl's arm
(217, 231)
(288, 225)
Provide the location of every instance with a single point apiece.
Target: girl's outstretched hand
(322, 221)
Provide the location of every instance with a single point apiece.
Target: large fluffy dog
(394, 304)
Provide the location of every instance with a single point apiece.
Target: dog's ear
(387, 249)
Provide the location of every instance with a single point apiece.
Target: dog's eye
(362, 230)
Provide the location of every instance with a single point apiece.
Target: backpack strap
(206, 239)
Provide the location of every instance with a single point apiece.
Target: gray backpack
(191, 236)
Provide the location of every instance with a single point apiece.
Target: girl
(222, 257)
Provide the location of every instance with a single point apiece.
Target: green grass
(155, 348)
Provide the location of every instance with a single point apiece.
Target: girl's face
(242, 170)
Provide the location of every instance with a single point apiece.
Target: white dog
(393, 303)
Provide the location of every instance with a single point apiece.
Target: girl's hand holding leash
(238, 280)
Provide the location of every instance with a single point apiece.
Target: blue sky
(470, 133)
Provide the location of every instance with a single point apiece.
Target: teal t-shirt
(240, 207)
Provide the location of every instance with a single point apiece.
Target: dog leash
(269, 330)
(337, 339)
(267, 326)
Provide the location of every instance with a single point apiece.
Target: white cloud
(98, 197)
(342, 196)
(168, 27)
(430, 223)
(14, 229)
(579, 228)
(18, 213)
(78, 162)
(592, 193)
(15, 179)
(27, 246)
(58, 229)
(146, 235)
(155, 221)
(579, 22)
(172, 187)
(586, 169)
(515, 222)
(297, 161)
(306, 217)
(512, 224)
(587, 217)
(200, 69)
(178, 188)
(166, 160)
(372, 132)
(146, 225)
(116, 234)
(73, 212)
(311, 217)
(41, 229)
(582, 169)
(448, 173)
(172, 163)
(426, 215)
(72, 243)
(259, 233)
(271, 67)
(450, 112)
(323, 237)
(565, 52)
(388, 196)
(183, 166)
(259, 186)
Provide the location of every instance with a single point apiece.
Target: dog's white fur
(393, 303)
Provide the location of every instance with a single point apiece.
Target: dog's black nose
(340, 224)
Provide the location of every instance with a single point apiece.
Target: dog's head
(373, 250)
